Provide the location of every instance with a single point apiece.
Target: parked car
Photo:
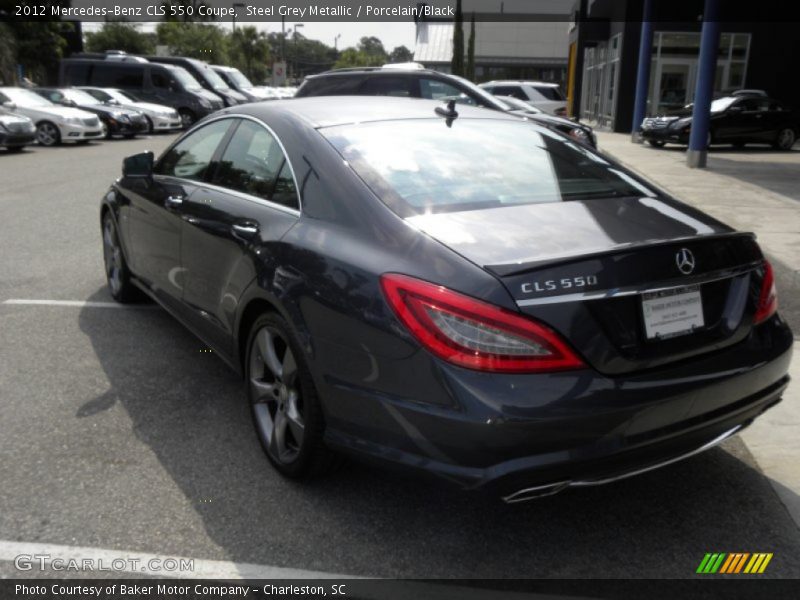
(740, 118)
(54, 123)
(451, 290)
(16, 131)
(237, 80)
(414, 81)
(578, 131)
(150, 82)
(116, 119)
(207, 77)
(546, 96)
(158, 116)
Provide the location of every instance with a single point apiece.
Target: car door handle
(173, 201)
(245, 230)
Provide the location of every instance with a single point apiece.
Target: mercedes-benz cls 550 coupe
(449, 289)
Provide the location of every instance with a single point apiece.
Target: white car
(159, 117)
(544, 96)
(54, 123)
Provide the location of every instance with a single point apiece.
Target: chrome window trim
(636, 290)
(242, 195)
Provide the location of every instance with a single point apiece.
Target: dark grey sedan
(449, 289)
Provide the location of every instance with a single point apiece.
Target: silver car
(159, 117)
(54, 123)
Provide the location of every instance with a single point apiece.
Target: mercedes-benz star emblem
(685, 261)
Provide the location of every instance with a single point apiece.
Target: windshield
(550, 92)
(721, 104)
(240, 80)
(25, 98)
(122, 97)
(186, 80)
(425, 166)
(79, 97)
(214, 80)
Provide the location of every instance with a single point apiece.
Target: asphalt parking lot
(117, 431)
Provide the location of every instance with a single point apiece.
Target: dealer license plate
(669, 313)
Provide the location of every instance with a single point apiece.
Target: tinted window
(509, 90)
(190, 158)
(252, 162)
(129, 78)
(285, 190)
(433, 89)
(549, 92)
(330, 86)
(76, 74)
(424, 166)
(386, 86)
(99, 95)
(750, 104)
(159, 78)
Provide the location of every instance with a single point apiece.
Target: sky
(391, 34)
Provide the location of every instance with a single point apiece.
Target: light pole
(294, 62)
(336, 42)
(235, 6)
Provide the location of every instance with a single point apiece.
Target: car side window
(751, 104)
(254, 163)
(434, 89)
(159, 79)
(189, 158)
(510, 90)
(387, 86)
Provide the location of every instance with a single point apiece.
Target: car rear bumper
(508, 433)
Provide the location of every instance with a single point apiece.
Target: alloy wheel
(112, 255)
(47, 134)
(276, 396)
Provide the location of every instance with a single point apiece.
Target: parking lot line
(25, 554)
(75, 303)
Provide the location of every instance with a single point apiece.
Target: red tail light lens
(768, 300)
(473, 334)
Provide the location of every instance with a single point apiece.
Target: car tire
(47, 134)
(107, 132)
(284, 404)
(150, 127)
(117, 274)
(188, 118)
(129, 136)
(656, 143)
(785, 139)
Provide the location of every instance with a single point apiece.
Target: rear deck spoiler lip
(518, 268)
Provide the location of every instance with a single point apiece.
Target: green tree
(470, 70)
(401, 54)
(8, 55)
(369, 53)
(457, 62)
(40, 46)
(205, 42)
(250, 52)
(119, 35)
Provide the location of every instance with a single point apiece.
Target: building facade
(604, 40)
(520, 39)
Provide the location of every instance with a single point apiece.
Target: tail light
(473, 334)
(768, 299)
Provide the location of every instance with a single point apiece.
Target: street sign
(278, 73)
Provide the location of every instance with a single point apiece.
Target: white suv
(54, 123)
(544, 96)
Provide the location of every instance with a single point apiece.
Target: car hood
(147, 106)
(529, 234)
(108, 109)
(9, 118)
(61, 111)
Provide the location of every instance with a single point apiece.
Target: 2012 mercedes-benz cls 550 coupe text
(453, 290)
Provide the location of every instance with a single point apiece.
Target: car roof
(329, 111)
(376, 70)
(520, 82)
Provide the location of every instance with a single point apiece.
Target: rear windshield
(550, 92)
(424, 166)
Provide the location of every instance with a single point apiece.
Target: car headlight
(121, 117)
(680, 123)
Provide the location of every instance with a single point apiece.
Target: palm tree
(251, 47)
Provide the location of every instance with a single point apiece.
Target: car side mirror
(139, 165)
(10, 105)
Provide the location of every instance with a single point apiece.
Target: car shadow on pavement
(190, 411)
